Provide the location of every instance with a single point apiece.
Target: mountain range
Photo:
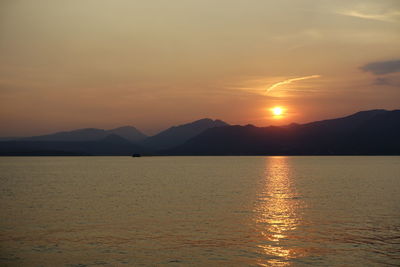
(111, 145)
(119, 141)
(178, 135)
(129, 133)
(363, 133)
(373, 132)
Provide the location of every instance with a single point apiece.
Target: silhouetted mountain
(345, 124)
(87, 134)
(110, 145)
(374, 132)
(367, 132)
(379, 135)
(90, 134)
(8, 138)
(130, 133)
(179, 134)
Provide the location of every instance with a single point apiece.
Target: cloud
(289, 81)
(392, 80)
(393, 16)
(381, 81)
(382, 67)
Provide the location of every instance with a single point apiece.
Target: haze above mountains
(363, 133)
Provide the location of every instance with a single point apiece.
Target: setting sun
(277, 111)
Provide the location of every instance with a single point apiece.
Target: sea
(200, 211)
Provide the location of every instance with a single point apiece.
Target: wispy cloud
(382, 67)
(393, 16)
(289, 81)
(381, 81)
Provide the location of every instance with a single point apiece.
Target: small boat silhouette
(136, 155)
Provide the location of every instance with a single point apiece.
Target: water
(199, 211)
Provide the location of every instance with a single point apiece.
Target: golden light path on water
(278, 214)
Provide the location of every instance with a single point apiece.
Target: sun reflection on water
(278, 214)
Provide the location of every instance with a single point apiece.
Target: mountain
(177, 135)
(363, 133)
(87, 134)
(345, 124)
(130, 133)
(373, 132)
(90, 134)
(110, 145)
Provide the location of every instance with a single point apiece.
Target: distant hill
(364, 133)
(345, 124)
(90, 134)
(130, 133)
(110, 145)
(177, 135)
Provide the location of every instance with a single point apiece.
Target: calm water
(199, 211)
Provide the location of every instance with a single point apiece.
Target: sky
(152, 64)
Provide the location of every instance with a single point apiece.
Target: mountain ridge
(177, 135)
(354, 134)
(371, 132)
(111, 145)
(89, 134)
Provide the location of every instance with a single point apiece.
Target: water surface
(199, 211)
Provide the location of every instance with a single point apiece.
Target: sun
(277, 111)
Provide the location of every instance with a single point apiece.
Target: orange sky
(99, 63)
